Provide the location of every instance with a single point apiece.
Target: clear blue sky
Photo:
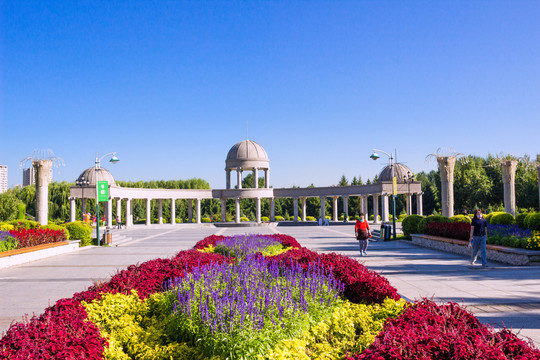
(169, 85)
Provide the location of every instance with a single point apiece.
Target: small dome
(247, 154)
(400, 171)
(93, 175)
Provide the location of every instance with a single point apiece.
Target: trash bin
(107, 237)
(381, 231)
(387, 232)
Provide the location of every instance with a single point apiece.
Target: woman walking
(478, 237)
(362, 233)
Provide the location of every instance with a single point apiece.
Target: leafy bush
(244, 219)
(410, 225)
(6, 227)
(520, 220)
(178, 221)
(280, 218)
(460, 218)
(372, 217)
(79, 230)
(502, 218)
(8, 207)
(265, 219)
(431, 219)
(532, 221)
(56, 227)
(401, 217)
(457, 230)
(21, 211)
(7, 241)
(206, 220)
(489, 216)
(24, 224)
(310, 218)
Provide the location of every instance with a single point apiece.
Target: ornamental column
(346, 208)
(223, 210)
(129, 218)
(190, 210)
(160, 211)
(173, 212)
(237, 210)
(446, 170)
(72, 209)
(227, 178)
(109, 212)
(375, 208)
(258, 210)
(42, 171)
(267, 178)
(385, 210)
(361, 203)
(272, 209)
(408, 204)
(295, 209)
(419, 205)
(509, 181)
(334, 208)
(198, 206)
(239, 178)
(119, 209)
(365, 207)
(304, 209)
(323, 208)
(255, 178)
(148, 215)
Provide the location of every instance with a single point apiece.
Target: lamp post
(375, 156)
(112, 160)
(82, 183)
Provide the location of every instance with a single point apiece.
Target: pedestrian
(119, 222)
(478, 237)
(362, 233)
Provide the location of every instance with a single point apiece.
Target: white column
(272, 209)
(228, 179)
(72, 209)
(295, 209)
(509, 185)
(408, 204)
(419, 205)
(119, 209)
(198, 204)
(446, 171)
(376, 208)
(334, 208)
(223, 210)
(239, 178)
(190, 210)
(148, 215)
(255, 178)
(129, 211)
(109, 212)
(237, 210)
(173, 212)
(160, 211)
(323, 208)
(267, 178)
(42, 171)
(361, 203)
(258, 207)
(304, 209)
(385, 209)
(346, 208)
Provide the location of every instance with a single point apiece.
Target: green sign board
(102, 191)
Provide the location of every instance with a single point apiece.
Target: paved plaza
(498, 295)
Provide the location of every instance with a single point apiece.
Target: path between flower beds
(498, 294)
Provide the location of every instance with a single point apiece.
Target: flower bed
(32, 237)
(202, 304)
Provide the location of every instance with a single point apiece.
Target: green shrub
(57, 227)
(502, 218)
(140, 221)
(401, 217)
(244, 219)
(24, 224)
(489, 216)
(520, 220)
(291, 218)
(21, 208)
(206, 220)
(342, 217)
(9, 243)
(6, 227)
(310, 218)
(432, 218)
(460, 218)
(372, 217)
(532, 221)
(79, 230)
(265, 219)
(178, 221)
(410, 225)
(280, 218)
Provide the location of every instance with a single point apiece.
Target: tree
(8, 207)
(343, 181)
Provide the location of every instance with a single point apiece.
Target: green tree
(8, 207)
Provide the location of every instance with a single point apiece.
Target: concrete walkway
(498, 295)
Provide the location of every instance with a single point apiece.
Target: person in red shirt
(361, 230)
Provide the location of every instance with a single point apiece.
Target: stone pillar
(323, 208)
(198, 208)
(129, 217)
(346, 208)
(509, 181)
(255, 178)
(267, 178)
(237, 210)
(419, 205)
(42, 171)
(223, 210)
(190, 210)
(148, 215)
(375, 208)
(295, 209)
(160, 211)
(119, 209)
(385, 210)
(408, 204)
(258, 210)
(272, 209)
(239, 178)
(72, 209)
(446, 170)
(109, 213)
(228, 179)
(365, 207)
(334, 209)
(303, 209)
(173, 212)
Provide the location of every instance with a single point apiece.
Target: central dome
(400, 172)
(247, 154)
(94, 175)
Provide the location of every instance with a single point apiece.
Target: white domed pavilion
(247, 155)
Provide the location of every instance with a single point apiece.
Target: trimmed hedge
(431, 219)
(24, 224)
(532, 221)
(79, 230)
(520, 220)
(502, 218)
(461, 218)
(410, 225)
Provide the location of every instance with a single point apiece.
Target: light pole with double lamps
(375, 156)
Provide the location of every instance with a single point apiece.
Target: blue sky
(170, 85)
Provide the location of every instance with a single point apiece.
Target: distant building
(29, 177)
(3, 178)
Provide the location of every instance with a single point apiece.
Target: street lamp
(376, 156)
(82, 182)
(112, 160)
(409, 178)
